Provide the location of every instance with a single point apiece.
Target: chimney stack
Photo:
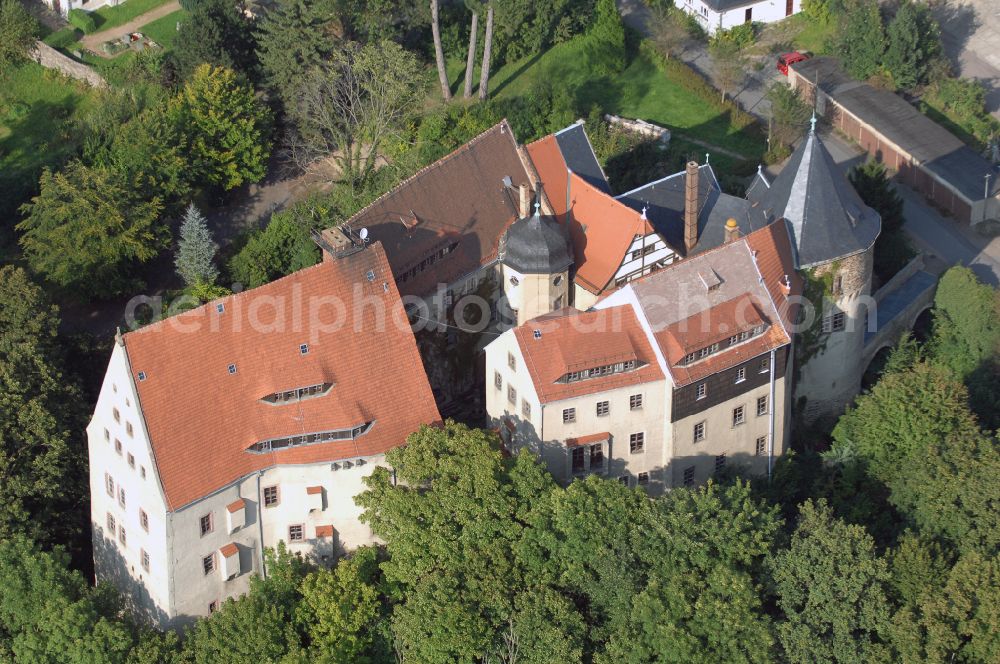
(732, 230)
(691, 207)
(525, 191)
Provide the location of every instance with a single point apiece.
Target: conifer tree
(196, 250)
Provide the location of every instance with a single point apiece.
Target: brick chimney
(691, 207)
(525, 192)
(732, 230)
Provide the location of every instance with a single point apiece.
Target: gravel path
(93, 41)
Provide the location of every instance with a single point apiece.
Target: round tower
(535, 257)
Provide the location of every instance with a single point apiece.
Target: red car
(786, 59)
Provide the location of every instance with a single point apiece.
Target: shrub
(281, 248)
(82, 20)
(742, 35)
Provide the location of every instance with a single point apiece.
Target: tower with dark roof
(833, 233)
(535, 258)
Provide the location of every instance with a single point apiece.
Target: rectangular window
(596, 455)
(296, 533)
(511, 394)
(720, 462)
(702, 391)
(739, 416)
(208, 564)
(603, 408)
(635, 402)
(131, 460)
(128, 429)
(205, 523)
(834, 322)
(497, 380)
(525, 409)
(636, 442)
(689, 476)
(623, 479)
(765, 364)
(578, 456)
(213, 606)
(111, 524)
(511, 362)
(109, 484)
(762, 405)
(144, 556)
(741, 374)
(761, 449)
(733, 340)
(699, 432)
(270, 496)
(569, 415)
(637, 254)
(144, 519)
(643, 479)
(121, 535)
(121, 496)
(117, 415)
(118, 446)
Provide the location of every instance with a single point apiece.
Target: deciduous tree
(832, 589)
(88, 227)
(223, 129)
(216, 32)
(730, 63)
(347, 109)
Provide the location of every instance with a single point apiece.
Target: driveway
(970, 31)
(636, 15)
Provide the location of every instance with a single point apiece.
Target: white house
(725, 14)
(249, 421)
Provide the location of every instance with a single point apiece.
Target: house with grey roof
(925, 156)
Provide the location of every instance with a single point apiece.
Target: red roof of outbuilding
(202, 418)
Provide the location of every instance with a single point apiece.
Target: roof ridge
(454, 153)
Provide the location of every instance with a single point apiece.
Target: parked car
(786, 59)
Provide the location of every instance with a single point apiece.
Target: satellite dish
(363, 234)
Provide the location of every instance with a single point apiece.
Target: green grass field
(35, 107)
(164, 30)
(111, 17)
(643, 90)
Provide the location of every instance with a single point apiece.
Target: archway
(922, 325)
(876, 367)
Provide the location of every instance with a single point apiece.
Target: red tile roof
(458, 200)
(751, 271)
(602, 228)
(201, 418)
(236, 506)
(324, 531)
(588, 439)
(313, 490)
(229, 550)
(572, 340)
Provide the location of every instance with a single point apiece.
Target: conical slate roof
(536, 245)
(826, 217)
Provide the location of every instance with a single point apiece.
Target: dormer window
(297, 394)
(602, 370)
(142, 376)
(303, 349)
(316, 438)
(220, 307)
(734, 340)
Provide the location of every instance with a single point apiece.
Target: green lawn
(35, 107)
(164, 30)
(811, 35)
(643, 90)
(111, 17)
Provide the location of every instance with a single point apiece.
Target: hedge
(82, 20)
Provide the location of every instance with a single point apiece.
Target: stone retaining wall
(50, 58)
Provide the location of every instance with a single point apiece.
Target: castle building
(666, 381)
(246, 422)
